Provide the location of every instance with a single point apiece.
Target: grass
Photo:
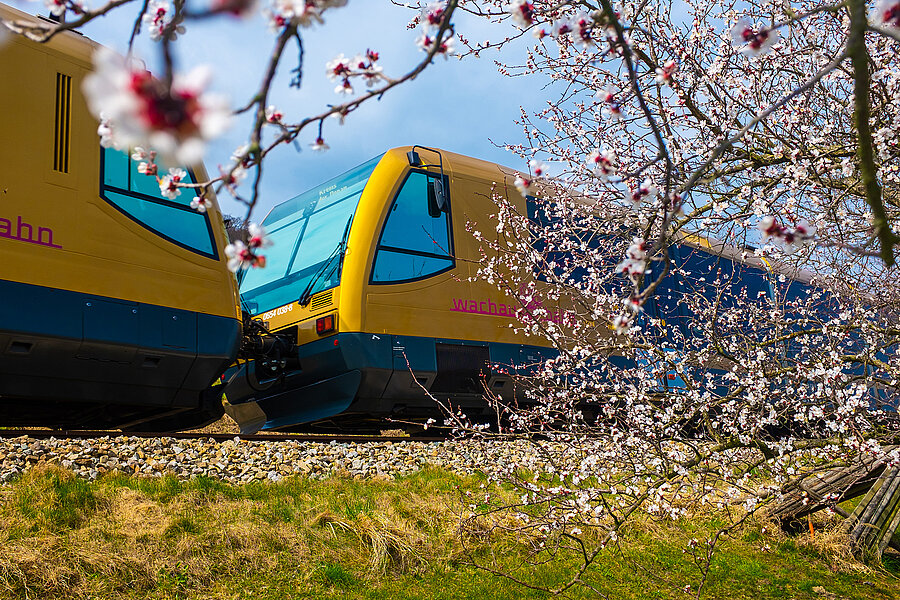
(125, 538)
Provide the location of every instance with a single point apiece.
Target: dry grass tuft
(135, 516)
(834, 545)
(392, 543)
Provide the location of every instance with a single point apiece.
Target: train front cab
(394, 277)
(116, 305)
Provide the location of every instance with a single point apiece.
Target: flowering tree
(168, 119)
(696, 373)
(756, 123)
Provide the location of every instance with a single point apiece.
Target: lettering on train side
(483, 307)
(278, 311)
(498, 309)
(26, 232)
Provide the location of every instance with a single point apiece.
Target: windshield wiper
(306, 296)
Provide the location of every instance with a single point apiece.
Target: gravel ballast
(240, 461)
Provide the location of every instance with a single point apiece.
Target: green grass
(126, 538)
(55, 503)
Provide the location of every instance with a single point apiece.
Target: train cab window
(138, 196)
(414, 244)
(309, 234)
(704, 272)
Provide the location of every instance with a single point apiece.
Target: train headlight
(325, 324)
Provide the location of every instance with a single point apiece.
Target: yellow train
(371, 289)
(116, 305)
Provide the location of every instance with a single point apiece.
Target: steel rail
(323, 438)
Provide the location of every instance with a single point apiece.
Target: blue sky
(464, 106)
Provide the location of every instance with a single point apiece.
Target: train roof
(461, 164)
(74, 45)
(744, 256)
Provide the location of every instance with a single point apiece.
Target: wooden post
(873, 524)
(875, 519)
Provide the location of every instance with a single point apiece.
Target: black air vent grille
(461, 369)
(63, 118)
(321, 300)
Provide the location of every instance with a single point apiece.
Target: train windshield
(308, 234)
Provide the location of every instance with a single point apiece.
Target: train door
(414, 276)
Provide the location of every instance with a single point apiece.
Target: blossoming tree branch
(691, 116)
(709, 248)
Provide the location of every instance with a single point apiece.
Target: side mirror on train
(437, 200)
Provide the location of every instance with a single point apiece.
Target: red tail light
(325, 324)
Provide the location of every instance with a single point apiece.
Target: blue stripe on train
(33, 310)
(60, 345)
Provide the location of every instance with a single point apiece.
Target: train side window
(115, 168)
(138, 196)
(414, 245)
(538, 218)
(667, 297)
(185, 227)
(703, 272)
(148, 185)
(754, 282)
(537, 211)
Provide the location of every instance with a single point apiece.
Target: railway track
(323, 438)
